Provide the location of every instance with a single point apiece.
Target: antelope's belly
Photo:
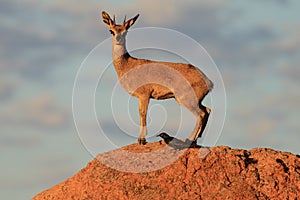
(162, 93)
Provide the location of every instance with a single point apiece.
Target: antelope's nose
(118, 38)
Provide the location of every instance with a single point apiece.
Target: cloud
(7, 89)
(280, 2)
(213, 24)
(289, 44)
(40, 112)
(165, 13)
(38, 37)
(21, 141)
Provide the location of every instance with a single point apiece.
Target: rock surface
(157, 171)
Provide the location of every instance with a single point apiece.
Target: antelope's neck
(120, 58)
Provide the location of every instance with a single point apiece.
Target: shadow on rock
(177, 143)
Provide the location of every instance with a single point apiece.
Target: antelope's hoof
(142, 141)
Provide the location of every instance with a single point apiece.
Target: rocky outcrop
(157, 171)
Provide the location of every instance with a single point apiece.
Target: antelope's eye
(111, 32)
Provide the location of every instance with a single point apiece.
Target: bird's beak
(157, 135)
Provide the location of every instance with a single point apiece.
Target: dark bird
(165, 137)
(172, 141)
(176, 143)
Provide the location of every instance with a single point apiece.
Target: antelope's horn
(124, 19)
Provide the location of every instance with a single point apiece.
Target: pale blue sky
(255, 44)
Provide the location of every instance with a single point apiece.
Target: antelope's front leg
(143, 107)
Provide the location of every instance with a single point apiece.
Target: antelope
(163, 80)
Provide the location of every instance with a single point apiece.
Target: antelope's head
(117, 31)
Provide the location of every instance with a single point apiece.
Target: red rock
(156, 171)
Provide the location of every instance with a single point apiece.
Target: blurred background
(255, 45)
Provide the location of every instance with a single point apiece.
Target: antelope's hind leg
(193, 108)
(143, 108)
(201, 113)
(204, 114)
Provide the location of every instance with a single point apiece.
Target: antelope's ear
(106, 19)
(130, 22)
